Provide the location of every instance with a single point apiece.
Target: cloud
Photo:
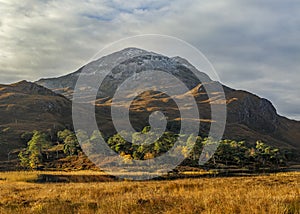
(254, 45)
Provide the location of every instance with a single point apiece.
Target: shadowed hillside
(25, 107)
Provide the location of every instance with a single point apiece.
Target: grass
(25, 176)
(276, 193)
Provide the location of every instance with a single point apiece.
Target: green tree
(192, 148)
(209, 150)
(268, 155)
(32, 155)
(71, 146)
(262, 152)
(37, 143)
(24, 158)
(164, 143)
(90, 144)
(62, 135)
(119, 144)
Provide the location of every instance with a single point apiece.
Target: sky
(253, 44)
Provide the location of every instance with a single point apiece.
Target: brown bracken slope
(25, 106)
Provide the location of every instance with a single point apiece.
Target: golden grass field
(276, 194)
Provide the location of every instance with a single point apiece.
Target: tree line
(228, 153)
(39, 144)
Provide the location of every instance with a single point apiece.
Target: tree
(192, 148)
(71, 146)
(119, 144)
(24, 158)
(148, 156)
(209, 149)
(32, 155)
(240, 155)
(26, 136)
(262, 152)
(90, 145)
(127, 159)
(164, 143)
(62, 135)
(268, 155)
(225, 152)
(37, 143)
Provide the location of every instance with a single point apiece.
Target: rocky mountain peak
(123, 64)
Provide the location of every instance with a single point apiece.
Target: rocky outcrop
(257, 113)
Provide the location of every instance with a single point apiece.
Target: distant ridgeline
(65, 151)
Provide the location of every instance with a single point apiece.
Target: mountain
(249, 117)
(26, 106)
(120, 66)
(46, 105)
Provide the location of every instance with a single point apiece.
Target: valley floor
(275, 193)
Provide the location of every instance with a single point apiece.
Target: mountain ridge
(247, 112)
(249, 117)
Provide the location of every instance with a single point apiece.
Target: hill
(25, 107)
